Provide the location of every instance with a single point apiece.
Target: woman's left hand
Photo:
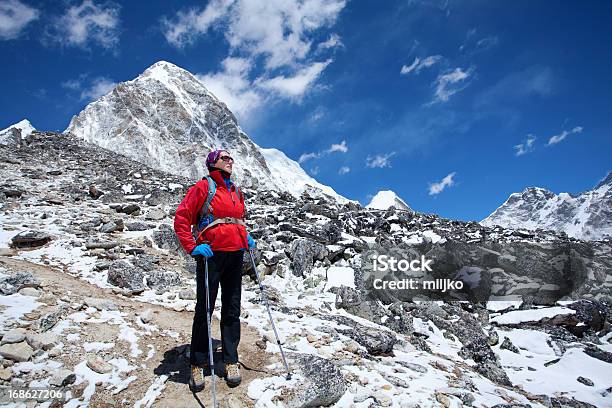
(251, 241)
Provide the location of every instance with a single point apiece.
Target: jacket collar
(218, 178)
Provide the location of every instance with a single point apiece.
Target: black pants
(224, 268)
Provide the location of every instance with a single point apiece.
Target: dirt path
(169, 358)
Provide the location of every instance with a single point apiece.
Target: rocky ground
(98, 297)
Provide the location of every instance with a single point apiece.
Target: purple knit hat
(212, 158)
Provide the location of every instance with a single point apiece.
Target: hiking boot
(232, 374)
(196, 381)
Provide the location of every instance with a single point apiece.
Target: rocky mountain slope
(537, 333)
(166, 118)
(586, 216)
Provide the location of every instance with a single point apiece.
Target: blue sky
(453, 105)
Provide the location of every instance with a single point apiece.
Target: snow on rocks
(518, 317)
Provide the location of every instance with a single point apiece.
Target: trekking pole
(263, 294)
(210, 350)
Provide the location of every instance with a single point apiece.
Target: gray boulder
(323, 385)
(124, 275)
(162, 280)
(12, 284)
(303, 253)
(165, 238)
(30, 239)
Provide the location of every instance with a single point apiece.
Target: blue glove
(202, 249)
(251, 241)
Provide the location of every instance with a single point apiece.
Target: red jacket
(225, 203)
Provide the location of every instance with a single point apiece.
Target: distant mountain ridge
(586, 216)
(167, 119)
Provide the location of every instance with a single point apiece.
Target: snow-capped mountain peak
(605, 182)
(166, 118)
(385, 199)
(16, 132)
(586, 216)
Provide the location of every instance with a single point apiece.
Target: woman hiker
(221, 238)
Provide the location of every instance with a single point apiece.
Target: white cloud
(437, 188)
(276, 30)
(527, 146)
(98, 88)
(335, 147)
(318, 114)
(343, 170)
(232, 86)
(267, 35)
(315, 170)
(419, 64)
(560, 137)
(488, 42)
(89, 90)
(473, 46)
(307, 156)
(188, 25)
(294, 87)
(341, 147)
(380, 160)
(14, 17)
(88, 23)
(450, 83)
(333, 42)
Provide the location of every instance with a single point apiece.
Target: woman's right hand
(202, 249)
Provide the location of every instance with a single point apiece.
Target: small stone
(382, 399)
(352, 347)
(155, 214)
(17, 352)
(98, 365)
(48, 299)
(6, 252)
(13, 336)
(261, 344)
(507, 345)
(100, 304)
(311, 338)
(32, 315)
(412, 366)
(45, 341)
(187, 294)
(29, 292)
(6, 374)
(62, 378)
(585, 381)
(77, 390)
(146, 316)
(361, 396)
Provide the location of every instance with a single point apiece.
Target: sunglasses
(226, 158)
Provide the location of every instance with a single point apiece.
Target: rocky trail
(160, 373)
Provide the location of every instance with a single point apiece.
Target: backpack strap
(212, 189)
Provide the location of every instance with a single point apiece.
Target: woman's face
(225, 162)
